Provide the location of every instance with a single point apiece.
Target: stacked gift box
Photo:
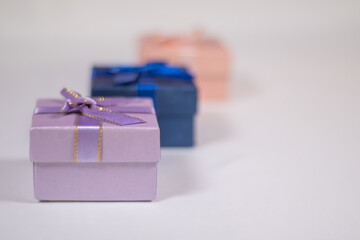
(94, 149)
(205, 56)
(171, 88)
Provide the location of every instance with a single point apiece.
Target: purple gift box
(97, 149)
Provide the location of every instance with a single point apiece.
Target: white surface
(279, 160)
(264, 168)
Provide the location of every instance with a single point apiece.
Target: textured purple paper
(128, 166)
(95, 182)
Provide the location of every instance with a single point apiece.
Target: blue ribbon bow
(129, 75)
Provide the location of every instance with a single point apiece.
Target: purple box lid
(52, 136)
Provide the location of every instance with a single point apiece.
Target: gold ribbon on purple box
(91, 113)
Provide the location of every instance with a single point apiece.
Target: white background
(279, 160)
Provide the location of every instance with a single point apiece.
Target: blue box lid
(171, 96)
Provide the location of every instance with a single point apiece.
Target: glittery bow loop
(75, 102)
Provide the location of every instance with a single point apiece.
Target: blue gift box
(171, 88)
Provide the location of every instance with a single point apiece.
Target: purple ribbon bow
(99, 108)
(91, 113)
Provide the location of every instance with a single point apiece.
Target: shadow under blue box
(175, 98)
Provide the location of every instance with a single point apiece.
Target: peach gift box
(207, 58)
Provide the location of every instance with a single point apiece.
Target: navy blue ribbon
(124, 75)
